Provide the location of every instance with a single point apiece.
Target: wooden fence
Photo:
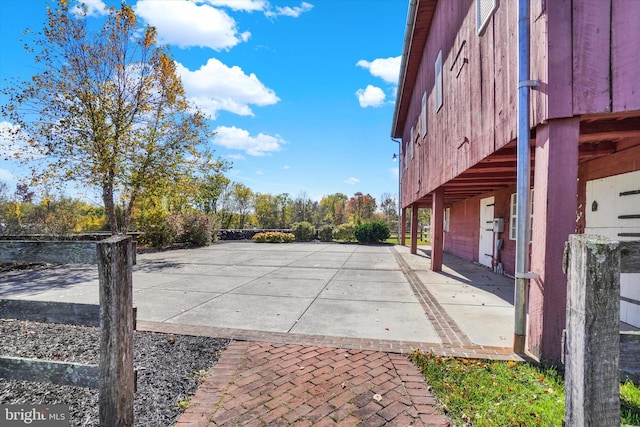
(114, 376)
(596, 355)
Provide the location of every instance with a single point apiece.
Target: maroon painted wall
(464, 229)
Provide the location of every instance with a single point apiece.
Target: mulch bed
(171, 367)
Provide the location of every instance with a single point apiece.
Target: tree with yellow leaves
(107, 110)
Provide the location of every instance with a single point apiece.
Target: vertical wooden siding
(625, 33)
(584, 53)
(478, 115)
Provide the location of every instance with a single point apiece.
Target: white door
(613, 210)
(485, 247)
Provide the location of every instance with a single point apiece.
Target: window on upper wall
(438, 82)
(484, 10)
(413, 138)
(447, 219)
(513, 214)
(423, 114)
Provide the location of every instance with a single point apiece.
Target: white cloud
(395, 172)
(351, 181)
(184, 23)
(236, 156)
(286, 167)
(216, 87)
(8, 178)
(372, 96)
(239, 139)
(242, 5)
(293, 12)
(93, 8)
(388, 69)
(259, 172)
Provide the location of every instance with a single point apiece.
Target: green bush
(325, 234)
(160, 229)
(274, 237)
(345, 232)
(197, 229)
(303, 231)
(372, 232)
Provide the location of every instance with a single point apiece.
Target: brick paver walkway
(267, 384)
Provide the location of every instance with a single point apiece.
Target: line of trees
(228, 204)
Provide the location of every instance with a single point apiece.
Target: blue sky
(301, 94)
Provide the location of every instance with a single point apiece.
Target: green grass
(394, 240)
(496, 393)
(630, 404)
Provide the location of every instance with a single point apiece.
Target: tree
(266, 210)
(388, 208)
(107, 110)
(210, 189)
(285, 208)
(303, 209)
(361, 207)
(334, 208)
(243, 198)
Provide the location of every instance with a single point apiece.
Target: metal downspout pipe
(523, 181)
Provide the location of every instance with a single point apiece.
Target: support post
(554, 219)
(115, 259)
(592, 388)
(414, 228)
(437, 229)
(402, 239)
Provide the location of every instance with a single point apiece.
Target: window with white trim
(412, 142)
(447, 218)
(438, 82)
(484, 11)
(513, 216)
(423, 114)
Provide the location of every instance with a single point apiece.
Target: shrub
(197, 229)
(160, 229)
(274, 237)
(372, 232)
(303, 231)
(345, 232)
(325, 234)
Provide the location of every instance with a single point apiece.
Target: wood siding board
(487, 92)
(625, 21)
(538, 62)
(558, 60)
(506, 44)
(591, 56)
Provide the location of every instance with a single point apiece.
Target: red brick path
(266, 384)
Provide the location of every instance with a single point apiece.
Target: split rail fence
(115, 375)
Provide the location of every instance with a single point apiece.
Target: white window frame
(412, 142)
(438, 101)
(447, 219)
(484, 11)
(513, 216)
(423, 114)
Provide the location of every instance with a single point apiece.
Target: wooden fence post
(592, 388)
(115, 259)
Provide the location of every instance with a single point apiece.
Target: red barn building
(456, 118)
